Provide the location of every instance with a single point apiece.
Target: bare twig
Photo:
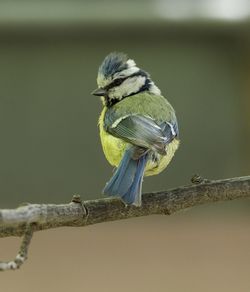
(14, 222)
(22, 254)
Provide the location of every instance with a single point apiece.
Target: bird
(138, 126)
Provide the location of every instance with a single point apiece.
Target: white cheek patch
(129, 86)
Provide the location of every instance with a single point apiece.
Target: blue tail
(126, 182)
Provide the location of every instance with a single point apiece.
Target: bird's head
(119, 77)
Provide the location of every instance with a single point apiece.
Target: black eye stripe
(116, 82)
(119, 81)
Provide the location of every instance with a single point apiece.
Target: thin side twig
(22, 254)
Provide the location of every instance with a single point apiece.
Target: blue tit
(138, 126)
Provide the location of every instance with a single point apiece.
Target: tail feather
(123, 176)
(127, 179)
(133, 195)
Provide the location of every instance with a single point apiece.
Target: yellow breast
(114, 149)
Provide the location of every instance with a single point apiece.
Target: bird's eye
(118, 81)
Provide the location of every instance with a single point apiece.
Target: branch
(22, 254)
(14, 222)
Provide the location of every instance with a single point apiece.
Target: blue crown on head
(113, 63)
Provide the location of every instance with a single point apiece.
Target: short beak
(99, 92)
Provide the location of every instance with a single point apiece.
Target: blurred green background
(198, 54)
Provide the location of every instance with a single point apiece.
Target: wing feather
(143, 132)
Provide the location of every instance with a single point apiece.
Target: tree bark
(13, 222)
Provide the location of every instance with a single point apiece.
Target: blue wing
(144, 132)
